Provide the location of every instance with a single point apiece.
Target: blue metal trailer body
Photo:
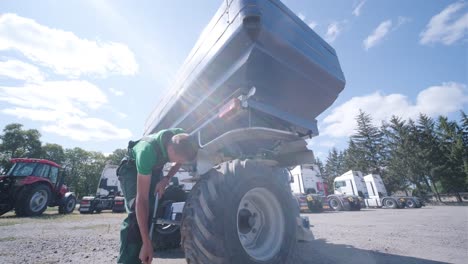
(253, 43)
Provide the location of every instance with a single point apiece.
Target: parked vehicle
(369, 190)
(248, 93)
(348, 192)
(377, 196)
(309, 187)
(33, 184)
(108, 194)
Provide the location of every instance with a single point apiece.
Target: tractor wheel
(168, 236)
(33, 201)
(240, 212)
(410, 203)
(68, 206)
(335, 204)
(390, 203)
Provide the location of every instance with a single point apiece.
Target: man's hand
(146, 253)
(161, 186)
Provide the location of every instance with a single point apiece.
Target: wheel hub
(70, 205)
(38, 201)
(260, 224)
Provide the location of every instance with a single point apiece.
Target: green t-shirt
(145, 155)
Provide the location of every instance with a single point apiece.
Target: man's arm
(162, 184)
(142, 212)
(173, 170)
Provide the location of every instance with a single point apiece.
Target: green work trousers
(130, 238)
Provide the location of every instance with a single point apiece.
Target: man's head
(181, 149)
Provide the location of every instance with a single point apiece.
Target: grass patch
(6, 239)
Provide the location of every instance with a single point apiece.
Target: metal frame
(248, 103)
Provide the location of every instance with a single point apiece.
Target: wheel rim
(410, 203)
(389, 203)
(260, 224)
(38, 201)
(334, 203)
(70, 204)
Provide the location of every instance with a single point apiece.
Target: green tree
(117, 156)
(451, 173)
(367, 145)
(464, 131)
(83, 169)
(332, 168)
(428, 151)
(320, 166)
(18, 143)
(53, 152)
(399, 155)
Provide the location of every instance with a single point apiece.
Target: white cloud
(301, 16)
(63, 106)
(68, 96)
(312, 24)
(122, 115)
(448, 26)
(433, 101)
(401, 21)
(382, 30)
(357, 9)
(379, 33)
(334, 29)
(86, 129)
(63, 51)
(19, 70)
(116, 92)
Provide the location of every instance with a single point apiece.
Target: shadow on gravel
(321, 252)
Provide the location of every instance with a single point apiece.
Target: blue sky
(88, 73)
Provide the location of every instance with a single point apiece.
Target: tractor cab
(33, 184)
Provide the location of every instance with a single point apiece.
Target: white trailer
(377, 195)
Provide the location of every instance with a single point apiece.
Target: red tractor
(33, 184)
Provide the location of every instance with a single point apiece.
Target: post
(154, 219)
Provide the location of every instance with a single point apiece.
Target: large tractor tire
(240, 212)
(33, 200)
(68, 206)
(168, 236)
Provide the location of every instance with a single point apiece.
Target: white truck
(369, 190)
(306, 179)
(108, 194)
(348, 192)
(377, 196)
(308, 187)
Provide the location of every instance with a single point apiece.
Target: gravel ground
(428, 235)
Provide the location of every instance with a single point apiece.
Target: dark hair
(184, 146)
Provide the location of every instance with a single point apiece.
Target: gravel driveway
(428, 235)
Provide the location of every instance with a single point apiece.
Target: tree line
(82, 168)
(428, 156)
